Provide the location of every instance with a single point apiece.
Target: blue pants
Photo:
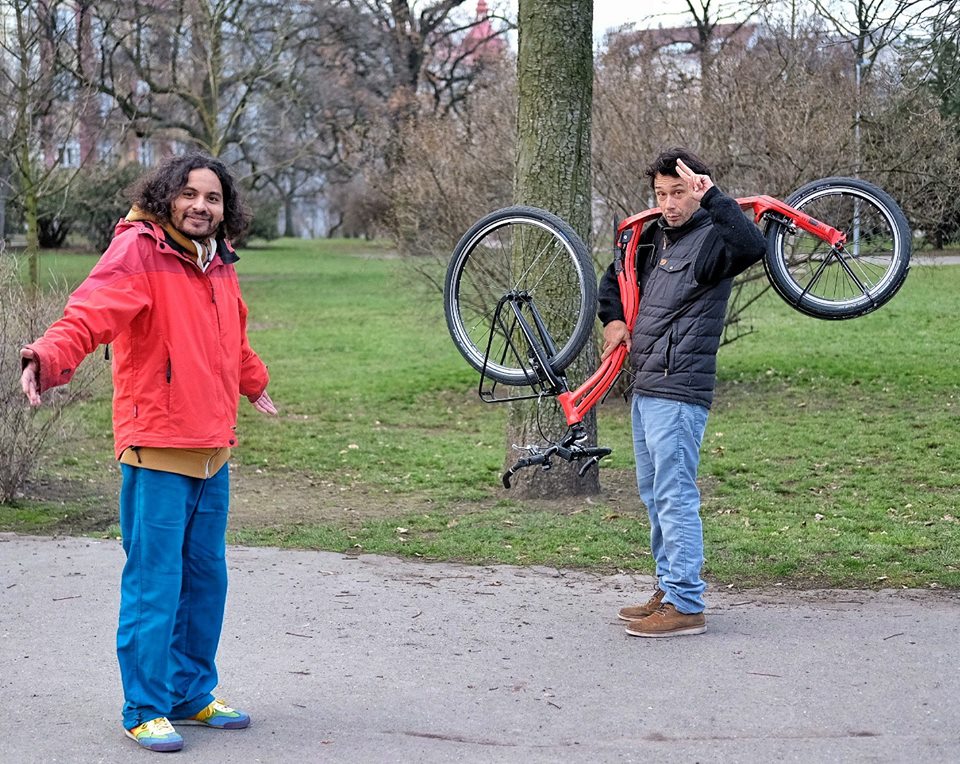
(666, 443)
(172, 592)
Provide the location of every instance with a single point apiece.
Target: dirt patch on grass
(263, 501)
(272, 500)
(69, 506)
(269, 500)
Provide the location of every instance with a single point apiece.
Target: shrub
(55, 218)
(263, 224)
(25, 433)
(99, 200)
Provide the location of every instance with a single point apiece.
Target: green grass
(830, 457)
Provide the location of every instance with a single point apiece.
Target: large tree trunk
(555, 80)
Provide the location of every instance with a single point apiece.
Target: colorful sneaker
(156, 735)
(636, 612)
(219, 716)
(667, 621)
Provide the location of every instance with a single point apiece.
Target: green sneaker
(219, 716)
(156, 735)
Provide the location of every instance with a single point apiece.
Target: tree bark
(555, 81)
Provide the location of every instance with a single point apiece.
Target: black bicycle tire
(579, 257)
(775, 261)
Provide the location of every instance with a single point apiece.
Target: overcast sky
(609, 14)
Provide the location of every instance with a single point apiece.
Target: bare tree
(427, 48)
(189, 70)
(45, 112)
(301, 135)
(871, 28)
(413, 61)
(459, 167)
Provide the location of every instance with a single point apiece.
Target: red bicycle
(520, 291)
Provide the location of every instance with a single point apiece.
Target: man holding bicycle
(686, 263)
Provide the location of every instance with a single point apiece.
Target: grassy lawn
(830, 456)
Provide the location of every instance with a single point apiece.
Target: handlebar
(591, 454)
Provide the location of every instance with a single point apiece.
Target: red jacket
(181, 358)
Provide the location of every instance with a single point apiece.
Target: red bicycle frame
(576, 403)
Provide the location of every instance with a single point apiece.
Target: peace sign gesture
(698, 184)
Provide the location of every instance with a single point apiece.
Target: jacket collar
(181, 242)
(699, 218)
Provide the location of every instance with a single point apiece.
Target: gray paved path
(373, 659)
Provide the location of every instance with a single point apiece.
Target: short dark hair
(666, 164)
(155, 192)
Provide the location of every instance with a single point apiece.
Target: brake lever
(592, 457)
(528, 461)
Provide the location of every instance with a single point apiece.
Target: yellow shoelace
(213, 708)
(155, 728)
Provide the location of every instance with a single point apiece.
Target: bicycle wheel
(528, 253)
(836, 284)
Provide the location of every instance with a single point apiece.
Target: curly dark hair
(155, 192)
(666, 164)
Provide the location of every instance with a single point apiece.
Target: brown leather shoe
(636, 612)
(667, 621)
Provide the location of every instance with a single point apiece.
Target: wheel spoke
(817, 275)
(853, 276)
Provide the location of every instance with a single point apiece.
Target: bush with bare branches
(457, 167)
(25, 433)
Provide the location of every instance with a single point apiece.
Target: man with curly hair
(166, 296)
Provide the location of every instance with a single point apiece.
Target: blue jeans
(666, 443)
(172, 592)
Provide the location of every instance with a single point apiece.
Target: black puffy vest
(677, 332)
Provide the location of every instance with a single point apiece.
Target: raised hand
(698, 184)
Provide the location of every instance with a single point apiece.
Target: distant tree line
(307, 100)
(376, 117)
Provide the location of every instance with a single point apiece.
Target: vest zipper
(669, 354)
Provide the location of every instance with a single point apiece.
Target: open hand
(30, 378)
(265, 405)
